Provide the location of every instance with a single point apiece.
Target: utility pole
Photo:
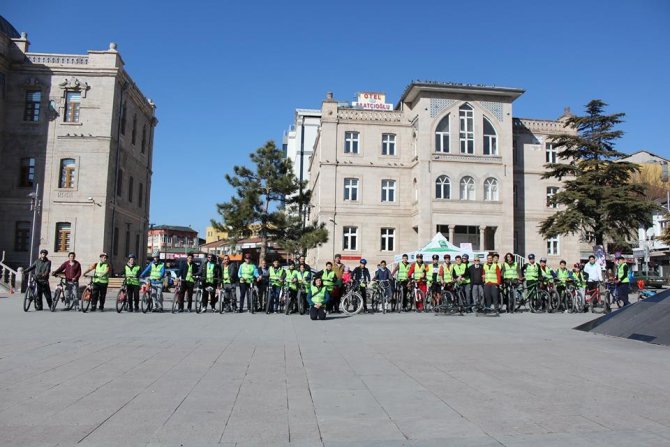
(35, 203)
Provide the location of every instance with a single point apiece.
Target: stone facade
(78, 126)
(417, 174)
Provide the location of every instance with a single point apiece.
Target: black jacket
(475, 274)
(42, 270)
(217, 272)
(183, 270)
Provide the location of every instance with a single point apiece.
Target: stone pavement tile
(358, 429)
(478, 441)
(586, 439)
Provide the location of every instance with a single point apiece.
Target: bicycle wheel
(419, 298)
(553, 302)
(535, 302)
(120, 300)
(145, 302)
(175, 302)
(86, 299)
(301, 303)
(197, 300)
(254, 300)
(56, 299)
(70, 299)
(27, 299)
(352, 303)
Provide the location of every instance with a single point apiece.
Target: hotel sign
(372, 101)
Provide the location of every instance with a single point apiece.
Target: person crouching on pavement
(318, 298)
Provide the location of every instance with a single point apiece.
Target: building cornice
(414, 89)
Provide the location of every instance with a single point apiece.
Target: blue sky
(227, 76)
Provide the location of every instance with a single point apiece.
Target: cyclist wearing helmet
(156, 271)
(546, 273)
(132, 275)
(531, 272)
(433, 278)
(418, 272)
(361, 274)
(42, 268)
(100, 282)
(401, 274)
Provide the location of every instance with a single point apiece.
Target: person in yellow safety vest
(546, 273)
(446, 273)
(433, 279)
(417, 272)
(530, 272)
(318, 298)
(228, 280)
(622, 280)
(401, 274)
(247, 273)
(563, 275)
(156, 272)
(462, 277)
(492, 280)
(304, 281)
(510, 275)
(277, 277)
(328, 277)
(100, 281)
(579, 279)
(210, 272)
(132, 275)
(292, 278)
(188, 273)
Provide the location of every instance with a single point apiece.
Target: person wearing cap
(42, 268)
(530, 272)
(462, 277)
(72, 270)
(102, 271)
(210, 272)
(492, 280)
(433, 279)
(418, 272)
(132, 275)
(446, 273)
(510, 275)
(401, 275)
(361, 275)
(622, 280)
(318, 299)
(546, 272)
(248, 274)
(475, 273)
(277, 278)
(188, 272)
(156, 271)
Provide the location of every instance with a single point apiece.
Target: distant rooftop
(8, 29)
(173, 228)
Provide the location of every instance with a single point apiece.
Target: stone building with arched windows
(448, 158)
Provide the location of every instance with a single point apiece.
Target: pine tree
(599, 201)
(263, 197)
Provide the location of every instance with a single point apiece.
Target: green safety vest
(328, 279)
(156, 272)
(210, 272)
(459, 270)
(562, 275)
(189, 273)
(490, 274)
(419, 271)
(546, 273)
(319, 294)
(621, 275)
(226, 274)
(248, 271)
(510, 271)
(290, 275)
(532, 271)
(579, 279)
(101, 273)
(432, 269)
(303, 277)
(276, 275)
(447, 272)
(132, 275)
(403, 271)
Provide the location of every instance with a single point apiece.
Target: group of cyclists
(461, 284)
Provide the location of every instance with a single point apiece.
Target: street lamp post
(334, 223)
(35, 203)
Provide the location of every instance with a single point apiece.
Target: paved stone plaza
(394, 380)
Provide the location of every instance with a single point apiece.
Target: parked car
(652, 280)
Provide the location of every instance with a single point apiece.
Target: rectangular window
(134, 131)
(490, 145)
(27, 173)
(72, 103)
(350, 142)
(551, 192)
(388, 190)
(553, 247)
(119, 184)
(130, 189)
(551, 152)
(144, 137)
(516, 196)
(127, 245)
(22, 235)
(351, 189)
(467, 131)
(350, 238)
(116, 241)
(63, 237)
(388, 239)
(31, 111)
(137, 244)
(388, 144)
(68, 169)
(124, 112)
(140, 192)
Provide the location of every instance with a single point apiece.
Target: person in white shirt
(593, 273)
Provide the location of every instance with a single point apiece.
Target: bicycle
(253, 290)
(511, 295)
(537, 297)
(612, 296)
(386, 295)
(87, 295)
(400, 296)
(149, 297)
(418, 296)
(31, 294)
(451, 300)
(227, 299)
(212, 292)
(554, 301)
(122, 298)
(594, 299)
(352, 301)
(64, 293)
(568, 297)
(197, 294)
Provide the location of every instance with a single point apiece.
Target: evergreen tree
(599, 201)
(263, 196)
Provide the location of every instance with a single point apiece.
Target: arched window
(491, 189)
(490, 138)
(466, 133)
(467, 188)
(443, 187)
(442, 136)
